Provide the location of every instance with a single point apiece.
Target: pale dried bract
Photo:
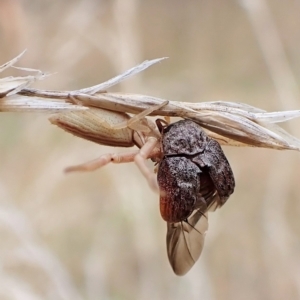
(235, 124)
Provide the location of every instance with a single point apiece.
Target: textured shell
(214, 160)
(187, 138)
(179, 183)
(183, 137)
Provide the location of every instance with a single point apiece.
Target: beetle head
(184, 137)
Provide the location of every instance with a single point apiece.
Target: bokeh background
(99, 235)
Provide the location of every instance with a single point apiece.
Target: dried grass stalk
(234, 124)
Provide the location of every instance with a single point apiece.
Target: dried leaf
(115, 80)
(94, 125)
(20, 103)
(235, 124)
(11, 62)
(12, 85)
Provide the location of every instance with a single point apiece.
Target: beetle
(193, 170)
(193, 174)
(193, 177)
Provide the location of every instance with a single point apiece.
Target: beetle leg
(167, 119)
(148, 150)
(139, 123)
(103, 160)
(145, 135)
(145, 113)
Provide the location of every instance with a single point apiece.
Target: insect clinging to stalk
(193, 174)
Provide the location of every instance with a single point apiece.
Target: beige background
(99, 235)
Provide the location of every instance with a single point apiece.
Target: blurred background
(99, 235)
